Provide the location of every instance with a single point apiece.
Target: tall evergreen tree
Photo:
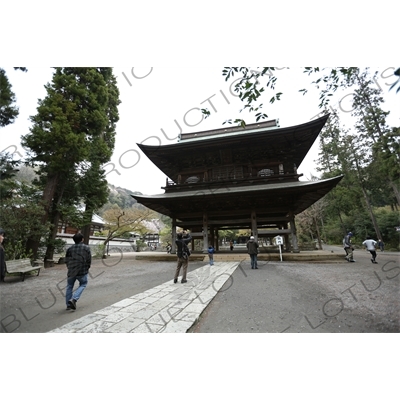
(93, 185)
(8, 110)
(336, 155)
(373, 130)
(71, 120)
(360, 157)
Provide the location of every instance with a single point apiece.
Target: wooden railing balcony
(196, 182)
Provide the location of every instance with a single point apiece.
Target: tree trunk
(105, 244)
(367, 202)
(86, 233)
(395, 191)
(371, 213)
(52, 236)
(48, 195)
(341, 222)
(377, 126)
(318, 234)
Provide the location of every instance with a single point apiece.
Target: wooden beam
(274, 232)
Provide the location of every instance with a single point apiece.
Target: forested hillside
(120, 197)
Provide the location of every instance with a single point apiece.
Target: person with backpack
(348, 247)
(183, 253)
(211, 252)
(252, 250)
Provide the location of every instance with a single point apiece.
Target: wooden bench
(22, 267)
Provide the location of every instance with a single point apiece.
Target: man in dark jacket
(183, 261)
(2, 256)
(78, 259)
(252, 249)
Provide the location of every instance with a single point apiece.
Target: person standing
(348, 247)
(381, 245)
(252, 250)
(183, 239)
(2, 256)
(370, 245)
(211, 252)
(78, 259)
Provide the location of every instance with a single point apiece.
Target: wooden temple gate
(237, 178)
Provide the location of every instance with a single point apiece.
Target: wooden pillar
(287, 238)
(295, 245)
(173, 244)
(254, 229)
(192, 244)
(205, 232)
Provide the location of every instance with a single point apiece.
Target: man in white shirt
(370, 245)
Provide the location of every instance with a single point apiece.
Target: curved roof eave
(165, 203)
(303, 136)
(250, 133)
(240, 189)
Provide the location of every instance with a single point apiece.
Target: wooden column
(212, 237)
(173, 245)
(205, 232)
(287, 237)
(295, 245)
(254, 229)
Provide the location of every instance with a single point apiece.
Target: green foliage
(71, 138)
(140, 245)
(57, 244)
(15, 250)
(249, 88)
(368, 155)
(70, 119)
(8, 170)
(388, 220)
(8, 110)
(254, 81)
(329, 80)
(360, 224)
(166, 233)
(99, 250)
(20, 217)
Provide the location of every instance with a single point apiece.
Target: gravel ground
(289, 297)
(278, 297)
(38, 304)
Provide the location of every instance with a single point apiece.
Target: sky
(157, 103)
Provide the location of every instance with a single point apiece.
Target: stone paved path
(167, 308)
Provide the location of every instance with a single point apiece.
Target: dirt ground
(278, 297)
(38, 304)
(291, 297)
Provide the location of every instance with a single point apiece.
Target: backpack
(185, 250)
